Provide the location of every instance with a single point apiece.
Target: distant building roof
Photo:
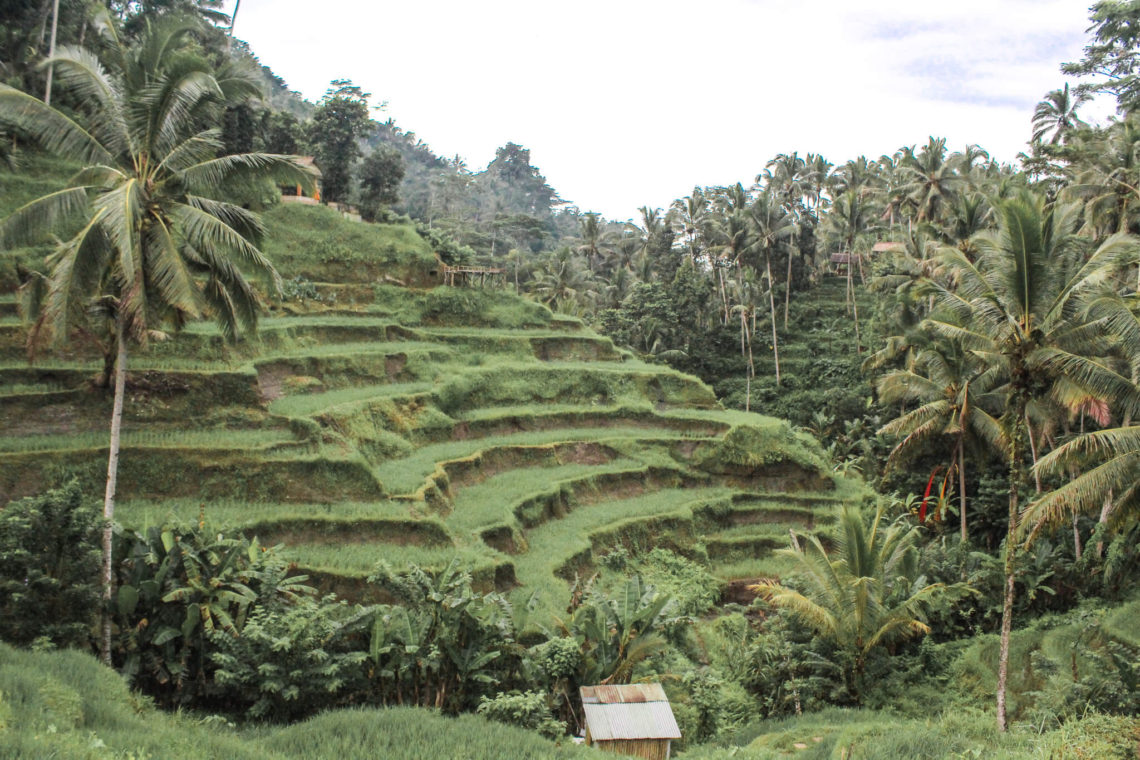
(634, 711)
(308, 161)
(887, 246)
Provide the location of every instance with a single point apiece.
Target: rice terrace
(316, 444)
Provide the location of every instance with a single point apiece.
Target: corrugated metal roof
(634, 711)
(648, 720)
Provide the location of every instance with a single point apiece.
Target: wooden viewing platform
(467, 275)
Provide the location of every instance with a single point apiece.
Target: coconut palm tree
(157, 245)
(1057, 113)
(952, 393)
(866, 594)
(1111, 457)
(771, 226)
(1020, 309)
(931, 178)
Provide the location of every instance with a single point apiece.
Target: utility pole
(51, 49)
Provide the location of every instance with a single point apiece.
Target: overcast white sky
(625, 103)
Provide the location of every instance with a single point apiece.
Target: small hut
(840, 262)
(634, 719)
(887, 246)
(296, 193)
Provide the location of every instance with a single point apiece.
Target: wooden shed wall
(650, 749)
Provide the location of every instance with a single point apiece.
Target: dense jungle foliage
(394, 513)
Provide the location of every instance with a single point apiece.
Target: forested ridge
(845, 455)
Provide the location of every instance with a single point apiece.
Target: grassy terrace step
(495, 500)
(751, 542)
(333, 565)
(203, 387)
(507, 419)
(208, 474)
(559, 548)
(313, 403)
(407, 474)
(545, 345)
(147, 438)
(508, 383)
(252, 516)
(341, 366)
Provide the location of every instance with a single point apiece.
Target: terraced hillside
(372, 421)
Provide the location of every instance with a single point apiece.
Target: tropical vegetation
(352, 499)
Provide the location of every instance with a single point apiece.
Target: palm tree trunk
(788, 291)
(51, 49)
(1078, 551)
(1016, 475)
(772, 304)
(1105, 513)
(723, 292)
(112, 479)
(1033, 454)
(962, 486)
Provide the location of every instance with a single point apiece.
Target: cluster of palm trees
(1007, 317)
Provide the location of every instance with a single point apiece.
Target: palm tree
(1112, 485)
(564, 284)
(1057, 113)
(771, 225)
(1019, 309)
(689, 217)
(594, 241)
(157, 246)
(951, 394)
(931, 178)
(865, 595)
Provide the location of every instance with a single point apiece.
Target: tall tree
(772, 226)
(1057, 114)
(1111, 55)
(157, 246)
(951, 393)
(1020, 307)
(340, 121)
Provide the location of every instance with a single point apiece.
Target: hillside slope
(376, 417)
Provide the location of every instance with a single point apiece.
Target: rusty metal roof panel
(646, 720)
(624, 694)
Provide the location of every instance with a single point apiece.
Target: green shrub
(288, 661)
(49, 568)
(528, 709)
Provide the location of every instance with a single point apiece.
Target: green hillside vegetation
(844, 455)
(371, 421)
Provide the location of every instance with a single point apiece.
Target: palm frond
(42, 216)
(50, 129)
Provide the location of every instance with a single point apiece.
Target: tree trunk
(962, 486)
(1033, 454)
(51, 50)
(772, 304)
(1105, 513)
(788, 291)
(1078, 550)
(1016, 475)
(112, 478)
